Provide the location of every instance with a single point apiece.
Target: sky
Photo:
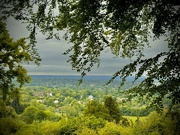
(54, 63)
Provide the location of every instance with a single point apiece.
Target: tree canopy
(12, 55)
(123, 26)
(112, 106)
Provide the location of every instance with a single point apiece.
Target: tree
(29, 114)
(42, 115)
(93, 108)
(114, 111)
(12, 55)
(17, 107)
(122, 26)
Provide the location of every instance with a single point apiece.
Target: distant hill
(72, 81)
(76, 77)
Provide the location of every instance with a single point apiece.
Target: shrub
(114, 129)
(157, 123)
(9, 126)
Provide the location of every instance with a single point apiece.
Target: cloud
(16, 29)
(156, 47)
(50, 70)
(54, 63)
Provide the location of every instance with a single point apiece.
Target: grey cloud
(50, 70)
(17, 29)
(54, 63)
(156, 47)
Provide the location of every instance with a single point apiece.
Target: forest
(59, 106)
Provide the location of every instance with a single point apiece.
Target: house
(91, 97)
(40, 101)
(49, 94)
(56, 101)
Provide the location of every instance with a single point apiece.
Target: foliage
(112, 106)
(108, 111)
(42, 115)
(17, 106)
(69, 106)
(9, 126)
(32, 113)
(12, 55)
(157, 124)
(96, 120)
(114, 129)
(29, 114)
(124, 27)
(135, 111)
(68, 126)
(154, 123)
(93, 122)
(7, 111)
(70, 111)
(93, 108)
(86, 131)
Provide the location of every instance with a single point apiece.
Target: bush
(94, 123)
(7, 111)
(157, 123)
(42, 115)
(114, 129)
(50, 128)
(10, 126)
(85, 131)
(29, 114)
